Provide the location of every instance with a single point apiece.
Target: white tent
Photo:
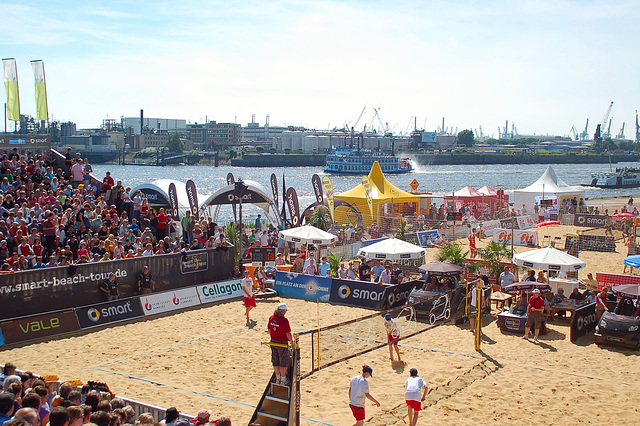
(548, 187)
(548, 259)
(392, 249)
(308, 234)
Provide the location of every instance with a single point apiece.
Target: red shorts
(390, 339)
(250, 302)
(358, 412)
(416, 405)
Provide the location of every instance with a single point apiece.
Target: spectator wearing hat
(249, 294)
(534, 314)
(146, 284)
(280, 332)
(358, 391)
(393, 334)
(202, 418)
(415, 391)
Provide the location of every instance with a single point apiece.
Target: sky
(544, 65)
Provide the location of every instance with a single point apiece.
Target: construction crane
(603, 125)
(608, 132)
(573, 133)
(359, 117)
(585, 133)
(621, 134)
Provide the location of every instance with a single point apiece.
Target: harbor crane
(621, 134)
(637, 129)
(585, 133)
(573, 133)
(359, 117)
(603, 125)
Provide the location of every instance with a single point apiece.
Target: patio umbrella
(392, 249)
(629, 290)
(633, 261)
(308, 234)
(548, 259)
(546, 223)
(622, 215)
(516, 288)
(441, 269)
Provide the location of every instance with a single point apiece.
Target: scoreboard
(263, 256)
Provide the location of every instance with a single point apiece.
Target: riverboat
(621, 178)
(348, 161)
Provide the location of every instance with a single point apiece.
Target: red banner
(609, 280)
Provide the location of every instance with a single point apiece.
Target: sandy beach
(208, 358)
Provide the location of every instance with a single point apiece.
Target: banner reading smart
(105, 313)
(214, 292)
(169, 301)
(357, 293)
(309, 287)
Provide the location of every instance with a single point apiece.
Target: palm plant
(320, 218)
(233, 236)
(402, 230)
(494, 254)
(334, 263)
(453, 253)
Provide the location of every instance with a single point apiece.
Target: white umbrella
(392, 249)
(308, 234)
(548, 259)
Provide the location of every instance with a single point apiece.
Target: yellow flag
(328, 190)
(366, 184)
(41, 91)
(11, 86)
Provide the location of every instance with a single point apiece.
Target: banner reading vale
(301, 286)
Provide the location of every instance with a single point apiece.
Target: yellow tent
(382, 192)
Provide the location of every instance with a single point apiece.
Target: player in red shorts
(249, 295)
(412, 388)
(358, 391)
(393, 334)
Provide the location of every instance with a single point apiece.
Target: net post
(478, 313)
(296, 378)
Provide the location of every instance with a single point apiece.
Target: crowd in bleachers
(29, 400)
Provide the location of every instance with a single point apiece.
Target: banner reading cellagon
(366, 185)
(42, 108)
(522, 238)
(173, 201)
(328, 190)
(11, 85)
(274, 188)
(192, 195)
(293, 206)
(317, 188)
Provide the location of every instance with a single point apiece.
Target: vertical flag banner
(11, 86)
(230, 181)
(328, 190)
(366, 184)
(274, 188)
(42, 108)
(283, 214)
(293, 206)
(173, 201)
(192, 195)
(317, 188)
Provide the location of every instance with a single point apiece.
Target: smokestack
(141, 120)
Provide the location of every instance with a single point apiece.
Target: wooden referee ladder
(280, 403)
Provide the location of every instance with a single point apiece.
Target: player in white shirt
(393, 334)
(415, 391)
(358, 391)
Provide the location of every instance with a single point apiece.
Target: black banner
(274, 188)
(316, 182)
(105, 313)
(293, 206)
(227, 197)
(356, 293)
(583, 321)
(506, 223)
(173, 201)
(192, 195)
(397, 295)
(590, 220)
(35, 327)
(230, 179)
(597, 243)
(50, 289)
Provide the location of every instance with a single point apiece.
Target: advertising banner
(173, 201)
(169, 301)
(489, 227)
(293, 206)
(357, 293)
(506, 223)
(366, 243)
(397, 295)
(215, 292)
(583, 321)
(609, 280)
(317, 188)
(37, 326)
(192, 197)
(525, 222)
(328, 190)
(427, 238)
(522, 238)
(590, 220)
(274, 188)
(301, 286)
(105, 313)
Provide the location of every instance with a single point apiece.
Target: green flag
(11, 86)
(41, 91)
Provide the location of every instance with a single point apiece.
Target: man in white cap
(534, 314)
(415, 391)
(280, 332)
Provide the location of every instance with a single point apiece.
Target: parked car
(619, 330)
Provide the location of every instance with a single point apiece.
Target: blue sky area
(545, 65)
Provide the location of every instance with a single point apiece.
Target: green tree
(452, 253)
(321, 218)
(465, 138)
(402, 230)
(175, 143)
(334, 263)
(233, 236)
(494, 254)
(260, 149)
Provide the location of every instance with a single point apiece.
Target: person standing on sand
(280, 332)
(534, 314)
(249, 294)
(472, 243)
(393, 334)
(413, 396)
(358, 391)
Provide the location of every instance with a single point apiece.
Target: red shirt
(162, 221)
(278, 328)
(537, 303)
(108, 183)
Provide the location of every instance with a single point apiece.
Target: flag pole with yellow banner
(366, 185)
(11, 86)
(328, 190)
(42, 108)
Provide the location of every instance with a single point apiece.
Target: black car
(619, 330)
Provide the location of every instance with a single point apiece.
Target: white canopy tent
(308, 234)
(392, 249)
(548, 187)
(157, 193)
(548, 259)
